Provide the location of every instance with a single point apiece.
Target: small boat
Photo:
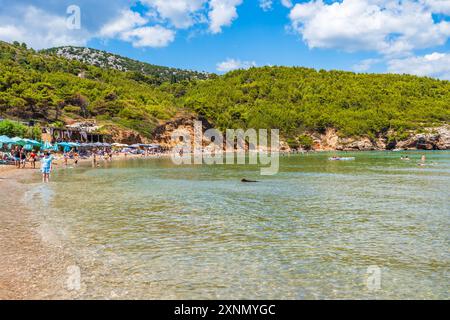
(342, 159)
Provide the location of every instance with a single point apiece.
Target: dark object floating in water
(248, 181)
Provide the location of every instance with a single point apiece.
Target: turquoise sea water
(151, 229)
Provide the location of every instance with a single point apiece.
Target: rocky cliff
(430, 139)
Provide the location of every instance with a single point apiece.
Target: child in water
(46, 167)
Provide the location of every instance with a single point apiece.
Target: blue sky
(409, 36)
(255, 36)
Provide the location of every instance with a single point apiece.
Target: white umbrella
(119, 145)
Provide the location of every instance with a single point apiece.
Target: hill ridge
(104, 59)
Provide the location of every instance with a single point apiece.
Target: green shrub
(34, 133)
(12, 129)
(72, 109)
(306, 142)
(292, 143)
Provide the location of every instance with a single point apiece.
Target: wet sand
(32, 267)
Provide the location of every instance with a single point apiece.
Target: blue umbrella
(18, 141)
(74, 145)
(66, 146)
(63, 144)
(5, 139)
(34, 143)
(46, 146)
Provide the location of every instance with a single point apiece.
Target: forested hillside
(54, 89)
(298, 101)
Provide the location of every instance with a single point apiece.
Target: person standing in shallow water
(46, 167)
(17, 157)
(33, 156)
(23, 158)
(94, 159)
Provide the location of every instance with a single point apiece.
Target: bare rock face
(284, 146)
(361, 144)
(332, 141)
(163, 133)
(444, 138)
(432, 139)
(326, 142)
(126, 136)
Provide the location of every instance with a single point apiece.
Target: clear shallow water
(150, 229)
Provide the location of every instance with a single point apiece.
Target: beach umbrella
(68, 145)
(18, 141)
(74, 145)
(46, 146)
(34, 143)
(5, 139)
(63, 144)
(119, 145)
(99, 144)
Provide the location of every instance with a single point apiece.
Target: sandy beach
(30, 268)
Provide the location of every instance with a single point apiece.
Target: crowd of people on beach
(21, 157)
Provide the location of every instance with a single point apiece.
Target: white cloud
(287, 3)
(39, 29)
(155, 37)
(181, 13)
(184, 14)
(433, 65)
(126, 21)
(233, 64)
(222, 14)
(392, 28)
(130, 26)
(42, 23)
(365, 65)
(266, 5)
(438, 6)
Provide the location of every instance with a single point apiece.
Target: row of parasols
(29, 144)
